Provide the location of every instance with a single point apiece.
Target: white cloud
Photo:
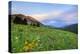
(70, 16)
(40, 17)
(44, 16)
(56, 13)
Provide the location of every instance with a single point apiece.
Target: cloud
(56, 13)
(39, 17)
(43, 16)
(70, 18)
(59, 19)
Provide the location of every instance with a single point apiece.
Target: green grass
(31, 38)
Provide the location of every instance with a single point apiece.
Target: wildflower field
(27, 38)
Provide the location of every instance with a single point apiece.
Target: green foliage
(31, 38)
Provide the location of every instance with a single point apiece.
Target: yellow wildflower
(29, 45)
(26, 42)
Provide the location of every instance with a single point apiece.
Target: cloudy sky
(58, 15)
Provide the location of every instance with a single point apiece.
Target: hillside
(72, 28)
(26, 20)
(26, 38)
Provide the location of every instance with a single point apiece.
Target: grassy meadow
(27, 38)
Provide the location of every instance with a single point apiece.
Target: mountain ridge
(22, 19)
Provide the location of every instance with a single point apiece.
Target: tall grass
(27, 38)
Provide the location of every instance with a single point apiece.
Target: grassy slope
(31, 38)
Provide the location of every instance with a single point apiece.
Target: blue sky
(57, 15)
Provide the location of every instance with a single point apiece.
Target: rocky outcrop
(22, 19)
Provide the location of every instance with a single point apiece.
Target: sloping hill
(22, 19)
(26, 38)
(72, 28)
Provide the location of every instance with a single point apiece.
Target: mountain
(72, 28)
(25, 37)
(28, 20)
(22, 19)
